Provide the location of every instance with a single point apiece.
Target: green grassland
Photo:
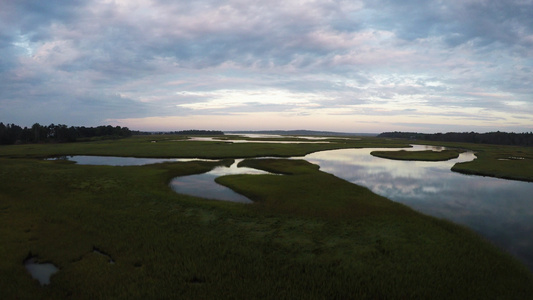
(427, 155)
(308, 235)
(509, 162)
(165, 146)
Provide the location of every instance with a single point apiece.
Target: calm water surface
(204, 185)
(120, 161)
(41, 272)
(499, 209)
(200, 185)
(214, 139)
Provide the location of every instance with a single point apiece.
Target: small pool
(41, 272)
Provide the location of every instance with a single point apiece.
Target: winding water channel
(498, 209)
(204, 185)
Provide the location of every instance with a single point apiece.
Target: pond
(40, 271)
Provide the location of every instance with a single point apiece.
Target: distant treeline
(14, 134)
(498, 138)
(183, 132)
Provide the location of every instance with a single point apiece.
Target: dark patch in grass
(196, 280)
(28, 257)
(99, 251)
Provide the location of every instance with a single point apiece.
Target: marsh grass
(508, 162)
(168, 146)
(516, 164)
(427, 155)
(309, 236)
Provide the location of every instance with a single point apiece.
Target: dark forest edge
(13, 134)
(496, 138)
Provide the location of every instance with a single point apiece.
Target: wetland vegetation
(500, 161)
(308, 234)
(497, 138)
(427, 155)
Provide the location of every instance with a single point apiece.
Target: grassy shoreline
(168, 146)
(500, 165)
(308, 235)
(499, 161)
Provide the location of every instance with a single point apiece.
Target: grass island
(427, 155)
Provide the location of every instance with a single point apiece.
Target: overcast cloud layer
(353, 66)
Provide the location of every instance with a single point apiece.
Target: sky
(347, 66)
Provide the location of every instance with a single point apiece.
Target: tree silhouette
(14, 134)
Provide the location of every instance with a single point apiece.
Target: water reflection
(214, 139)
(498, 209)
(204, 185)
(120, 161)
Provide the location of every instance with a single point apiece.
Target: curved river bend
(499, 209)
(204, 185)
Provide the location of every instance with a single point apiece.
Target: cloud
(95, 60)
(479, 21)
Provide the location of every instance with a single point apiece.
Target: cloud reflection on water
(499, 209)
